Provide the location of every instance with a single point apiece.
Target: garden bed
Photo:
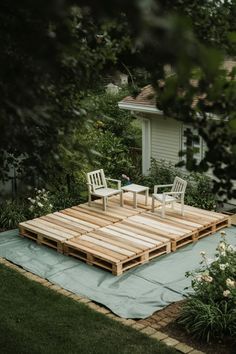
(174, 330)
(165, 321)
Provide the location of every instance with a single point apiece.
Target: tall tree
(53, 49)
(51, 52)
(213, 21)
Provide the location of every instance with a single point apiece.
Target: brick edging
(148, 330)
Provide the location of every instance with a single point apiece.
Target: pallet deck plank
(52, 230)
(65, 223)
(110, 246)
(105, 251)
(98, 213)
(72, 213)
(135, 235)
(128, 241)
(114, 241)
(126, 236)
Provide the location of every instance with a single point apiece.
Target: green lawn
(34, 319)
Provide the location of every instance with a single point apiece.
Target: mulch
(165, 321)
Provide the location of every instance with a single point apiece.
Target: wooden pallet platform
(116, 251)
(121, 237)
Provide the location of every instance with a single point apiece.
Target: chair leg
(146, 196)
(121, 199)
(135, 200)
(153, 204)
(163, 210)
(104, 203)
(89, 199)
(182, 207)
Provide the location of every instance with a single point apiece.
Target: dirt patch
(165, 321)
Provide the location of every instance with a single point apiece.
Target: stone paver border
(142, 327)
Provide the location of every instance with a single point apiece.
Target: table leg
(146, 196)
(135, 200)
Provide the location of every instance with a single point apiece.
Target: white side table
(136, 188)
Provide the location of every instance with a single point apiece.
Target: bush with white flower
(210, 310)
(40, 204)
(125, 180)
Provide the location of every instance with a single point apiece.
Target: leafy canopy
(53, 50)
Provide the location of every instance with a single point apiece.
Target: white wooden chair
(97, 186)
(176, 193)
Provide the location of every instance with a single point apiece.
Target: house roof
(147, 96)
(146, 100)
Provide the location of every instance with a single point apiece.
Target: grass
(35, 319)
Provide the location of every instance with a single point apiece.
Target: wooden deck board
(98, 213)
(121, 237)
(63, 222)
(114, 241)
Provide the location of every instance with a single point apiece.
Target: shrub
(103, 107)
(112, 155)
(62, 199)
(40, 204)
(199, 187)
(115, 136)
(207, 321)
(11, 214)
(210, 311)
(199, 191)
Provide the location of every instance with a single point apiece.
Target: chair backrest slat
(96, 179)
(179, 185)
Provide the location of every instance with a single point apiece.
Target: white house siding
(165, 139)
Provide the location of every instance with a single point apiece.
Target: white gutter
(139, 108)
(152, 109)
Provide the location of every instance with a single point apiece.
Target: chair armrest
(174, 193)
(161, 186)
(115, 180)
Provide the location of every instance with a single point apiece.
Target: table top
(135, 188)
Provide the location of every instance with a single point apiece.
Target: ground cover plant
(35, 319)
(11, 213)
(210, 310)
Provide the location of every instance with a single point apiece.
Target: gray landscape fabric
(136, 294)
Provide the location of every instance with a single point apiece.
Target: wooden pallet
(54, 229)
(178, 236)
(44, 235)
(116, 251)
(210, 221)
(181, 230)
